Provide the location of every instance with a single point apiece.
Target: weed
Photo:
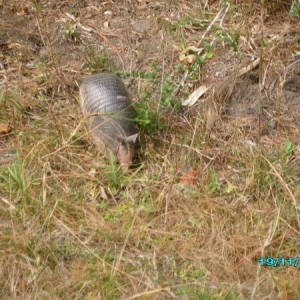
(187, 21)
(167, 99)
(193, 293)
(71, 32)
(229, 38)
(289, 148)
(213, 185)
(295, 9)
(35, 4)
(98, 63)
(16, 180)
(144, 117)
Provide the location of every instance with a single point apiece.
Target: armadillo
(106, 103)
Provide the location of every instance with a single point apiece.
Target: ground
(210, 210)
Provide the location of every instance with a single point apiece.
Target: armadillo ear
(132, 138)
(121, 140)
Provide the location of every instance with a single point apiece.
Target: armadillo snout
(126, 150)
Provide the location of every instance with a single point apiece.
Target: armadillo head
(126, 151)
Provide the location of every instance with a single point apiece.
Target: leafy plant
(100, 62)
(295, 9)
(229, 38)
(289, 148)
(148, 119)
(213, 186)
(71, 32)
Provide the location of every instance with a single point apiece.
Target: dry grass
(193, 220)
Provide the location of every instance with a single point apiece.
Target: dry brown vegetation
(217, 189)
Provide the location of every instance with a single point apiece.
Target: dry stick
(221, 22)
(11, 206)
(211, 25)
(226, 10)
(260, 103)
(284, 184)
(181, 83)
(162, 83)
(116, 267)
(148, 293)
(40, 30)
(168, 200)
(185, 76)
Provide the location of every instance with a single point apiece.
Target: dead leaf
(188, 54)
(108, 13)
(190, 58)
(195, 95)
(188, 178)
(5, 128)
(103, 193)
(192, 49)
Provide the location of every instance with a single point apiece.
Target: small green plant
(36, 4)
(289, 148)
(15, 180)
(167, 99)
(71, 32)
(113, 174)
(150, 75)
(229, 38)
(193, 292)
(193, 58)
(295, 9)
(97, 63)
(109, 288)
(147, 119)
(214, 184)
(287, 162)
(117, 178)
(187, 20)
(144, 116)
(232, 39)
(74, 12)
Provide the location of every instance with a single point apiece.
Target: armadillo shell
(104, 92)
(105, 100)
